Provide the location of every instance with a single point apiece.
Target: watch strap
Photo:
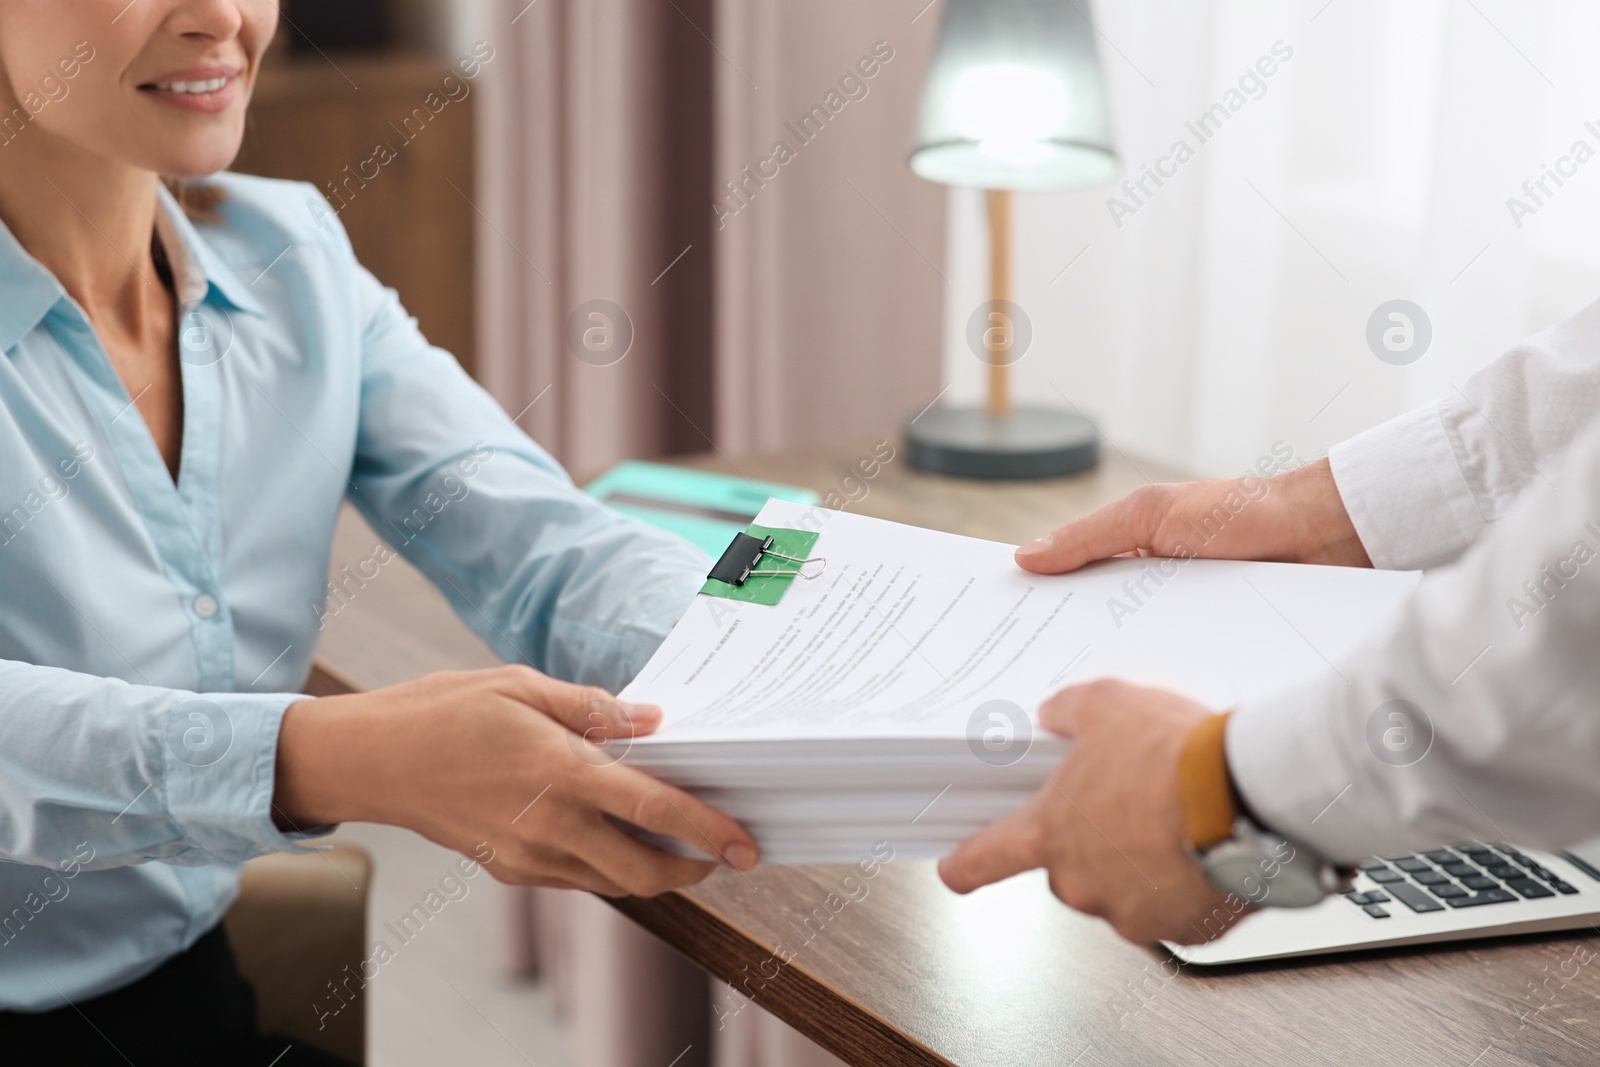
(1205, 789)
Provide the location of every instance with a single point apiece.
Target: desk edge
(816, 1009)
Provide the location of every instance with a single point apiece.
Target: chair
(300, 920)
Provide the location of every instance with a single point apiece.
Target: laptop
(1469, 890)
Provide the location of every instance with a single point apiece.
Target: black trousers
(195, 1009)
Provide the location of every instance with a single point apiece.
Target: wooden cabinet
(389, 141)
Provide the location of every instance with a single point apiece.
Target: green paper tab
(765, 590)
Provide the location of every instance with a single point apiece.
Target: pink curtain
(731, 174)
(593, 161)
(629, 151)
(830, 276)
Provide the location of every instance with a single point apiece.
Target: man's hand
(1108, 826)
(508, 763)
(1296, 517)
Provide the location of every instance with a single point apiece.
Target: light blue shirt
(152, 634)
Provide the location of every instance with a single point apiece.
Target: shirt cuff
(1291, 759)
(1403, 487)
(221, 773)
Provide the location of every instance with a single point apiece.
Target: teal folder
(703, 508)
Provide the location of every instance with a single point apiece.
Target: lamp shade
(1014, 99)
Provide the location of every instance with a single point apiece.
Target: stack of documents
(893, 697)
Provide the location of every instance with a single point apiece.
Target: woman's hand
(1297, 517)
(506, 757)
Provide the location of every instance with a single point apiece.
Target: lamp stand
(1001, 441)
(998, 342)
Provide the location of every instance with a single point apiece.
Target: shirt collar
(28, 290)
(196, 266)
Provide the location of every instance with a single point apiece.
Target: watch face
(1257, 875)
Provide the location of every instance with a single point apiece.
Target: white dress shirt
(1496, 657)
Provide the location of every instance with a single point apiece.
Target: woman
(184, 405)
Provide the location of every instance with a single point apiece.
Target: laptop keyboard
(1462, 876)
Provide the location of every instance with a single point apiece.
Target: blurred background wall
(1229, 310)
(606, 158)
(1201, 321)
(353, 99)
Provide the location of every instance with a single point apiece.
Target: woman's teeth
(211, 86)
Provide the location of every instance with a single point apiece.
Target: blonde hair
(200, 202)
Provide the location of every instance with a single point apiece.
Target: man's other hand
(1297, 517)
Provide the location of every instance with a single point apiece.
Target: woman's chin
(190, 155)
(192, 166)
(192, 174)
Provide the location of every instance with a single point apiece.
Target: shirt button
(206, 606)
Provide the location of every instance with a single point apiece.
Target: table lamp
(1013, 101)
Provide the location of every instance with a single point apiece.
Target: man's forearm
(1472, 715)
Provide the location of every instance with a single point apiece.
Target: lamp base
(1028, 443)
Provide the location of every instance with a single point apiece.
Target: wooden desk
(909, 973)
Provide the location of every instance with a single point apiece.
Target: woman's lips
(204, 91)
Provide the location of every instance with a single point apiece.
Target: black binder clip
(745, 553)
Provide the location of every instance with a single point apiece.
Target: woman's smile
(206, 89)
